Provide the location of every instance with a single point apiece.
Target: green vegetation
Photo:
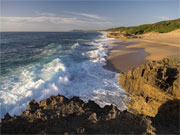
(161, 27)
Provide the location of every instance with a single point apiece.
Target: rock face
(151, 85)
(121, 35)
(59, 115)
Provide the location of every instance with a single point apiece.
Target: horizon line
(52, 31)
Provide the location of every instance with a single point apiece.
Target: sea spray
(70, 64)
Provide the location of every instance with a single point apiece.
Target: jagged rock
(33, 106)
(26, 113)
(73, 116)
(77, 100)
(93, 118)
(121, 35)
(7, 116)
(52, 101)
(92, 106)
(111, 112)
(151, 85)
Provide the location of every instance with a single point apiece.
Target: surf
(69, 68)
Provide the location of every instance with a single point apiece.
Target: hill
(160, 27)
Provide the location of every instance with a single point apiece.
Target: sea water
(37, 65)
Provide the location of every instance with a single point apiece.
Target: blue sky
(65, 15)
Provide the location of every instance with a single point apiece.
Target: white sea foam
(88, 80)
(50, 69)
(75, 45)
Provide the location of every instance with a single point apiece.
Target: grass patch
(160, 27)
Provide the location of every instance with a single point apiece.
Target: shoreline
(121, 58)
(131, 53)
(157, 49)
(63, 81)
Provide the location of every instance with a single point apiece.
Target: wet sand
(130, 53)
(157, 50)
(122, 59)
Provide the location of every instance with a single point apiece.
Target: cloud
(51, 22)
(52, 19)
(162, 17)
(92, 16)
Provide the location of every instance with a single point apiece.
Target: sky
(66, 15)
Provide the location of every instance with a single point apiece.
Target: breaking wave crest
(86, 79)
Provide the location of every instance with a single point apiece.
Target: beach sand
(121, 58)
(130, 53)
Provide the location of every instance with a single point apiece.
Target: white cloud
(51, 22)
(52, 19)
(92, 16)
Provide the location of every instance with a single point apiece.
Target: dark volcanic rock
(59, 115)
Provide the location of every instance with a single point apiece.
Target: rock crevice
(151, 85)
(59, 115)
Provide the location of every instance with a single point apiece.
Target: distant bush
(161, 27)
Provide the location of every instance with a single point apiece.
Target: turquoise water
(36, 65)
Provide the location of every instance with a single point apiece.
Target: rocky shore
(151, 85)
(59, 115)
(154, 91)
(121, 35)
(153, 109)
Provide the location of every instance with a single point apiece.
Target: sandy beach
(130, 53)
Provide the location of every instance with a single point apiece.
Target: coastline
(133, 58)
(76, 116)
(157, 49)
(130, 53)
(147, 97)
(54, 77)
(121, 58)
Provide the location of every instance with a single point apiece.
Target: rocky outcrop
(167, 119)
(59, 115)
(151, 85)
(121, 35)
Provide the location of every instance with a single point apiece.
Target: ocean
(37, 65)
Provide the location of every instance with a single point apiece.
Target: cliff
(151, 85)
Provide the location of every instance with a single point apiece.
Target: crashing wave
(86, 79)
